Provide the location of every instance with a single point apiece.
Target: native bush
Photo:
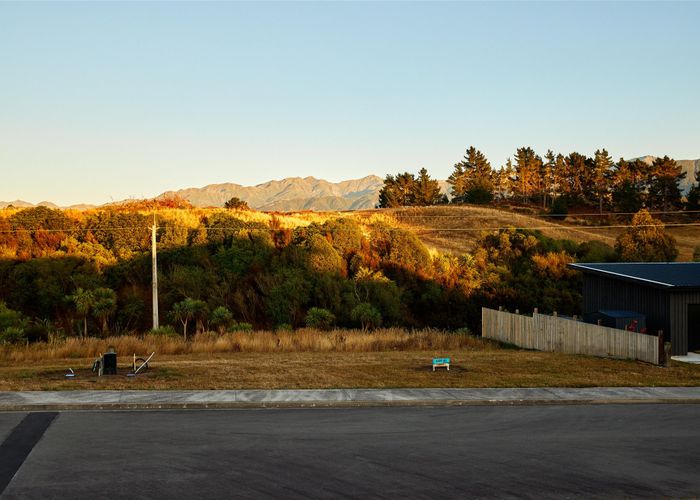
(367, 316)
(319, 318)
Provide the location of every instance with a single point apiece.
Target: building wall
(605, 293)
(679, 317)
(664, 310)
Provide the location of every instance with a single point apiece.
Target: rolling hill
(455, 229)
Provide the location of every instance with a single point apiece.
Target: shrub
(221, 318)
(559, 208)
(236, 203)
(164, 331)
(320, 318)
(283, 327)
(366, 315)
(595, 251)
(242, 327)
(13, 335)
(36, 332)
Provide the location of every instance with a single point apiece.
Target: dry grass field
(455, 229)
(266, 360)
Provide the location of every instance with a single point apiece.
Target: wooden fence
(555, 334)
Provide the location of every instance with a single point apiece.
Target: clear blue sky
(110, 100)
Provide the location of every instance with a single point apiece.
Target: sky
(102, 101)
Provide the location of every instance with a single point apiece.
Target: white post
(154, 273)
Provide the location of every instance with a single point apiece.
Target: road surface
(422, 452)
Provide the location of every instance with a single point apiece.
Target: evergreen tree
(528, 168)
(578, 176)
(664, 192)
(559, 177)
(602, 162)
(388, 195)
(405, 185)
(547, 175)
(426, 190)
(472, 178)
(626, 185)
(397, 191)
(693, 198)
(503, 180)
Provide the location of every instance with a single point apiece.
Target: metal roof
(667, 275)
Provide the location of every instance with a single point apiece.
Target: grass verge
(488, 367)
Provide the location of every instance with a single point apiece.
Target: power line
(74, 229)
(540, 228)
(414, 228)
(501, 212)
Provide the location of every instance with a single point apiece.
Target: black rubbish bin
(109, 363)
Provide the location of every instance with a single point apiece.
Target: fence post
(662, 353)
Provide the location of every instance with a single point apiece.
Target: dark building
(666, 295)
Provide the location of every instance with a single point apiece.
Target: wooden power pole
(154, 272)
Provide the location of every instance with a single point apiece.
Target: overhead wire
(416, 228)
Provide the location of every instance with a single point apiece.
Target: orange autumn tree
(646, 241)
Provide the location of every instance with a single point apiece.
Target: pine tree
(547, 174)
(397, 191)
(387, 194)
(627, 186)
(559, 177)
(578, 179)
(602, 162)
(693, 199)
(503, 180)
(405, 185)
(527, 172)
(664, 191)
(472, 178)
(458, 179)
(426, 190)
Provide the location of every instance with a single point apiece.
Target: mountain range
(309, 193)
(293, 193)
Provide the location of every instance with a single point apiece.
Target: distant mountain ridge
(292, 193)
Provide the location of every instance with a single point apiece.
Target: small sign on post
(441, 362)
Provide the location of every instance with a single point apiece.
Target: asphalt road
(448, 452)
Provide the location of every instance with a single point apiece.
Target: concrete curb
(340, 398)
(320, 405)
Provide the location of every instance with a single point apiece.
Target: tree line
(553, 182)
(69, 274)
(66, 273)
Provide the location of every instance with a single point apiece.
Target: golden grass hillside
(455, 229)
(444, 229)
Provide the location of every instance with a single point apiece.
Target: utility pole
(154, 273)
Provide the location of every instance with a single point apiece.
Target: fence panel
(555, 334)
